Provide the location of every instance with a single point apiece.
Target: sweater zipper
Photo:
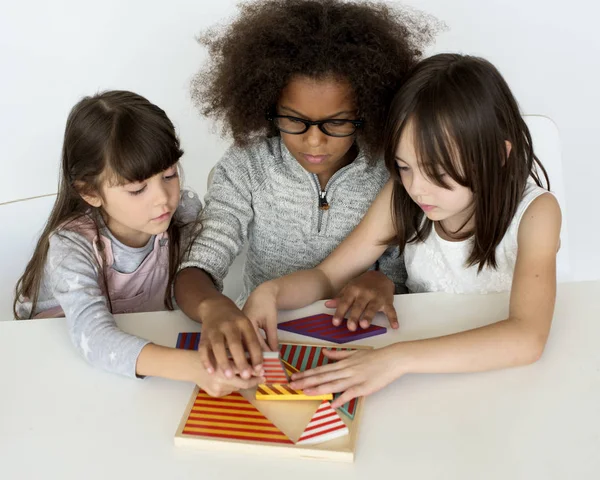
(323, 202)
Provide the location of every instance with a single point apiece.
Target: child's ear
(89, 196)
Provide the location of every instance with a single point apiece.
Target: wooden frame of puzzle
(305, 428)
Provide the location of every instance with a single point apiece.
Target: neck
(458, 227)
(125, 235)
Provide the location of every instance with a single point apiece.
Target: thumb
(331, 303)
(271, 331)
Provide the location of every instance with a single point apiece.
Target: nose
(161, 195)
(314, 137)
(418, 184)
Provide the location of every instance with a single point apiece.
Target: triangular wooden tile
(325, 425)
(231, 417)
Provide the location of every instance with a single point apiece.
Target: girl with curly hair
(304, 88)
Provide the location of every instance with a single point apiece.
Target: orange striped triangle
(325, 425)
(232, 418)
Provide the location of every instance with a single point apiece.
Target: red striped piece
(325, 425)
(274, 371)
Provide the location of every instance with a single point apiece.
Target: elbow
(534, 348)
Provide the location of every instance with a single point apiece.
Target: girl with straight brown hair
(467, 207)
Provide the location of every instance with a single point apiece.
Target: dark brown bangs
(437, 150)
(140, 147)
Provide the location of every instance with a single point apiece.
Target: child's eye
(402, 168)
(337, 123)
(173, 175)
(137, 192)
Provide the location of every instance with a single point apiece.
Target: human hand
(355, 372)
(216, 384)
(261, 309)
(225, 327)
(362, 298)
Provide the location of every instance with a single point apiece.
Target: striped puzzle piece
(231, 418)
(289, 369)
(284, 392)
(305, 357)
(188, 340)
(325, 425)
(320, 326)
(274, 372)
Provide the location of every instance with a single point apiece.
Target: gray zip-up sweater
(262, 195)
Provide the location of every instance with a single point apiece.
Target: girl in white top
(469, 211)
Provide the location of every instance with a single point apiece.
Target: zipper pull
(323, 204)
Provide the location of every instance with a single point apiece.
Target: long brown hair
(462, 112)
(114, 131)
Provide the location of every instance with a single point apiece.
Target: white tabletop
(61, 418)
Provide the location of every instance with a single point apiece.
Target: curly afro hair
(371, 45)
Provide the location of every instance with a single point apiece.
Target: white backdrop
(52, 53)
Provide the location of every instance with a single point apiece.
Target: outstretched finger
(221, 357)
(368, 314)
(332, 303)
(238, 355)
(206, 357)
(333, 386)
(271, 331)
(338, 354)
(355, 313)
(390, 313)
(344, 303)
(345, 397)
(255, 345)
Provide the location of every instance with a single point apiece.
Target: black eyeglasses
(331, 127)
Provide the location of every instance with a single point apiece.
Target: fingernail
(210, 370)
(228, 373)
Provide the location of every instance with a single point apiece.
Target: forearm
(505, 344)
(299, 289)
(195, 292)
(172, 363)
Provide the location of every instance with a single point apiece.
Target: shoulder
(253, 159)
(69, 247)
(189, 207)
(540, 223)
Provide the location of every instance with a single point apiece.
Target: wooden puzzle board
(289, 417)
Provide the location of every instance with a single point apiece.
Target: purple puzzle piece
(188, 340)
(320, 326)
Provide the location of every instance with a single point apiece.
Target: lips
(426, 208)
(162, 218)
(315, 159)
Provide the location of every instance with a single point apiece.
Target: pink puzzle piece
(274, 371)
(320, 326)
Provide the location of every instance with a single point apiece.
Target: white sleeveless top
(437, 265)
